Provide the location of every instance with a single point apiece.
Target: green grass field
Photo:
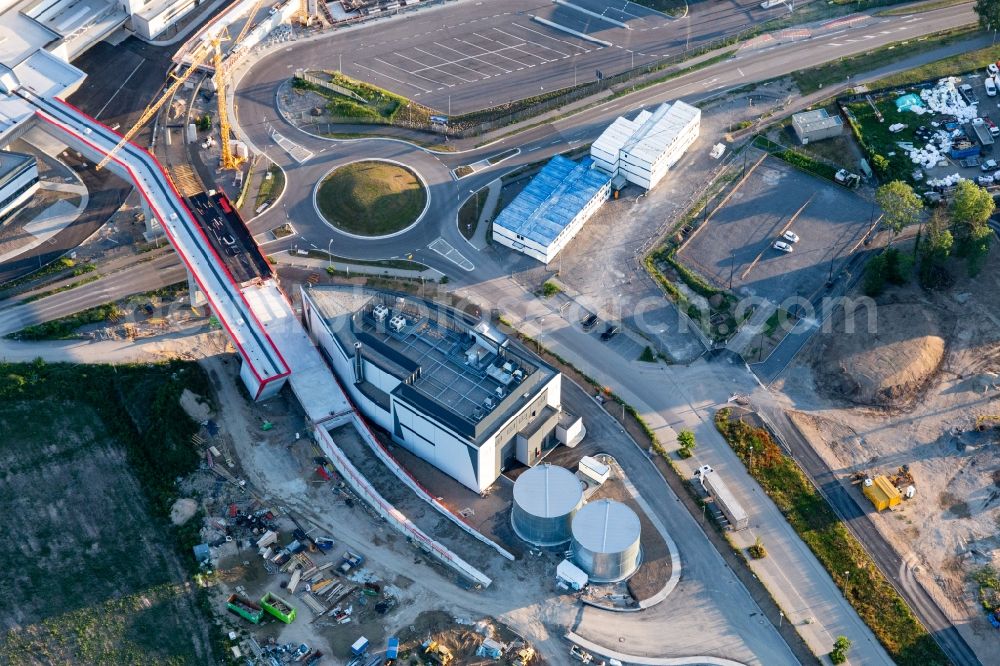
(371, 198)
(89, 454)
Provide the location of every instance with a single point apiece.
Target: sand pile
(884, 366)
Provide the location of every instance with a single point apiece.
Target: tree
(989, 13)
(971, 207)
(874, 282)
(934, 252)
(840, 648)
(880, 163)
(900, 205)
(686, 439)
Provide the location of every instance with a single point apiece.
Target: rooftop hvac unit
(488, 403)
(499, 392)
(397, 323)
(380, 313)
(477, 413)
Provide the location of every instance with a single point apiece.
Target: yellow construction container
(882, 493)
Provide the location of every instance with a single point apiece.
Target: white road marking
(115, 94)
(425, 67)
(543, 46)
(437, 83)
(395, 79)
(542, 34)
(482, 60)
(445, 249)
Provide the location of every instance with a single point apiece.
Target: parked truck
(963, 148)
(350, 561)
(278, 607)
(723, 497)
(982, 132)
(245, 608)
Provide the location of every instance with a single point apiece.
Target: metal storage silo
(606, 540)
(545, 499)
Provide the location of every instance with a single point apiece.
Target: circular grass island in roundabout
(371, 198)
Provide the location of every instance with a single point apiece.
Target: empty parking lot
(737, 242)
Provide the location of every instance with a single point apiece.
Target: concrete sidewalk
(360, 269)
(478, 239)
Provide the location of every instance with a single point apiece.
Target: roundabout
(374, 198)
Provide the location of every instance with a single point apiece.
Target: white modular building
(552, 209)
(155, 16)
(446, 386)
(645, 148)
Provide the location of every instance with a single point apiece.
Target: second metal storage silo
(606, 540)
(545, 499)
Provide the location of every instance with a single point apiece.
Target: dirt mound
(885, 364)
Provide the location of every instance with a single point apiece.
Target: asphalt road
(858, 521)
(144, 277)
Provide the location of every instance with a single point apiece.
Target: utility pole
(732, 267)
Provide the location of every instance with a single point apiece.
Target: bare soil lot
(776, 197)
(94, 575)
(919, 389)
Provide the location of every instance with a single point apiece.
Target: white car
(993, 69)
(783, 246)
(790, 236)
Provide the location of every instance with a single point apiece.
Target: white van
(991, 86)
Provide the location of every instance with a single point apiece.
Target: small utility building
(545, 216)
(645, 148)
(815, 125)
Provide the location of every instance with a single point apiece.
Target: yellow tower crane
(229, 159)
(197, 59)
(211, 47)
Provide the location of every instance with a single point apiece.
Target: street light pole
(329, 254)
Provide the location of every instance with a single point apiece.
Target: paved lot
(738, 239)
(462, 57)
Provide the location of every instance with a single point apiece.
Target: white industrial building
(447, 387)
(18, 181)
(552, 209)
(155, 16)
(643, 149)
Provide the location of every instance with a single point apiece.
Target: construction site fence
(415, 486)
(391, 514)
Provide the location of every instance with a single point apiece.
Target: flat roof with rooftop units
(446, 384)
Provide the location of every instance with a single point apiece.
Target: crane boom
(196, 60)
(249, 23)
(229, 161)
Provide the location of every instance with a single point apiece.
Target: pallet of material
(334, 598)
(321, 585)
(316, 606)
(294, 582)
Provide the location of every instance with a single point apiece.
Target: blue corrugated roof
(552, 199)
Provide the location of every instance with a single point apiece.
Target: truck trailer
(245, 608)
(982, 133)
(723, 497)
(278, 607)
